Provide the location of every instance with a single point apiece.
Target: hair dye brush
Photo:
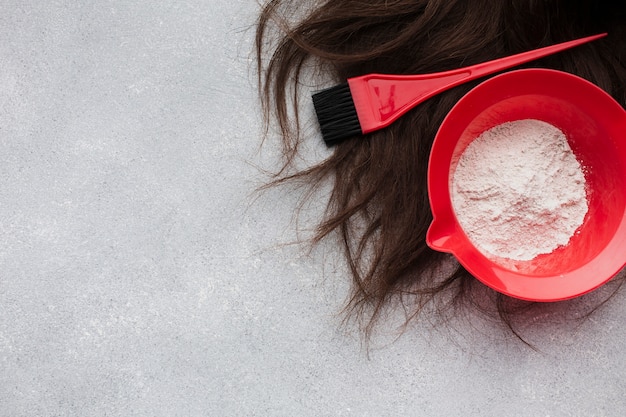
(374, 101)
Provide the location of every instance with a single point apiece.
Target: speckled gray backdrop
(141, 275)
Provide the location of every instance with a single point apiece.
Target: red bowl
(595, 126)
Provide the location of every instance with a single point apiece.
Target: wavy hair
(378, 205)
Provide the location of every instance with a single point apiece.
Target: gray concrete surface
(142, 276)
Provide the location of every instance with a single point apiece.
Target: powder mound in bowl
(518, 190)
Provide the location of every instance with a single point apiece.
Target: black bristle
(336, 113)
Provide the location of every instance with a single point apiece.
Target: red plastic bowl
(595, 125)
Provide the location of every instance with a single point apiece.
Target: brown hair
(379, 203)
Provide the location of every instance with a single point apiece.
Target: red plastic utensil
(595, 125)
(374, 101)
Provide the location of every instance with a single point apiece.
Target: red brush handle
(380, 99)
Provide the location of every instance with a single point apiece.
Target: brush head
(336, 114)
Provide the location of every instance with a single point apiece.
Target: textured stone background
(141, 275)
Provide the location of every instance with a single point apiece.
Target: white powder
(518, 190)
